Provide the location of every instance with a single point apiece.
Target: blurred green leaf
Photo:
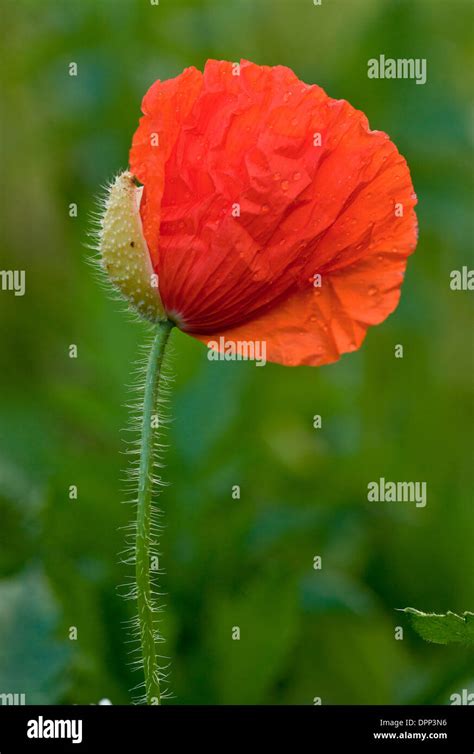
(442, 629)
(31, 658)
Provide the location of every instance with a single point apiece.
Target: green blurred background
(247, 562)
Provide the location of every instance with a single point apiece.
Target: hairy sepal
(125, 257)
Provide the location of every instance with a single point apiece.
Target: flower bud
(124, 251)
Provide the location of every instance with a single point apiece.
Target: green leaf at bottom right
(443, 629)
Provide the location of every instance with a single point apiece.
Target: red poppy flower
(271, 211)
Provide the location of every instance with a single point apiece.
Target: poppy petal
(165, 106)
(315, 326)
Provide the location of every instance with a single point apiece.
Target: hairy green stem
(146, 614)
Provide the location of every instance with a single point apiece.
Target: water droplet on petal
(296, 176)
(284, 185)
(373, 290)
(276, 176)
